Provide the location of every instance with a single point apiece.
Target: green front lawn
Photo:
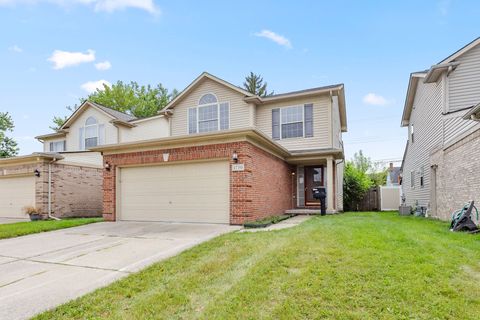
(350, 266)
(12, 230)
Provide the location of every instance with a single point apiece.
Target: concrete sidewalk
(41, 271)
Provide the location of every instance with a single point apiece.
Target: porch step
(303, 211)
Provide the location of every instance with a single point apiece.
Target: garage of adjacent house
(183, 192)
(15, 194)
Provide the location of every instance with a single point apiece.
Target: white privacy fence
(390, 197)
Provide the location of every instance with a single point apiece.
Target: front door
(313, 179)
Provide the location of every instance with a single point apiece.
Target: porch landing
(303, 211)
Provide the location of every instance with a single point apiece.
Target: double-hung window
(292, 122)
(92, 134)
(58, 146)
(209, 115)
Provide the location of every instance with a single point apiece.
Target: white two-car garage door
(15, 194)
(188, 192)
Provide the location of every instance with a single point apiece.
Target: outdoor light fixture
(37, 173)
(107, 166)
(235, 157)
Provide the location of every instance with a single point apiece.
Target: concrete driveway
(41, 271)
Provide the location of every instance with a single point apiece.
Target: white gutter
(50, 190)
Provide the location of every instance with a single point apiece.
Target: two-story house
(66, 179)
(440, 169)
(230, 157)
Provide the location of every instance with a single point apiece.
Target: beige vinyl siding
(427, 119)
(111, 134)
(146, 129)
(15, 194)
(87, 158)
(241, 113)
(188, 192)
(455, 126)
(463, 92)
(336, 131)
(464, 81)
(322, 137)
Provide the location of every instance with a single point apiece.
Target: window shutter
(101, 134)
(81, 141)
(224, 116)
(308, 115)
(276, 124)
(51, 146)
(64, 145)
(192, 120)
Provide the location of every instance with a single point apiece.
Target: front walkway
(41, 271)
(289, 223)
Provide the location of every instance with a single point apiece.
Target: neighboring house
(393, 176)
(66, 179)
(230, 157)
(440, 167)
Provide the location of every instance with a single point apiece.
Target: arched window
(91, 133)
(209, 115)
(208, 99)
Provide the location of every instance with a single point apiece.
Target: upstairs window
(92, 134)
(292, 122)
(58, 146)
(209, 115)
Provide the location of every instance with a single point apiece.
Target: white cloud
(62, 59)
(15, 48)
(97, 5)
(278, 39)
(114, 5)
(105, 65)
(375, 99)
(92, 86)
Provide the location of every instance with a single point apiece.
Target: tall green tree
(8, 146)
(138, 100)
(254, 84)
(361, 162)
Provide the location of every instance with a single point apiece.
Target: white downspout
(50, 190)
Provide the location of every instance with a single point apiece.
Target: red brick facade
(263, 189)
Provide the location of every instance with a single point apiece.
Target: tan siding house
(231, 157)
(440, 116)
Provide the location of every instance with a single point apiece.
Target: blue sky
(51, 51)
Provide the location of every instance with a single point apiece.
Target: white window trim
(217, 104)
(412, 181)
(303, 121)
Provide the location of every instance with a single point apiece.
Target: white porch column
(330, 188)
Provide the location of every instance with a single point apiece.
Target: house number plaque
(238, 167)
